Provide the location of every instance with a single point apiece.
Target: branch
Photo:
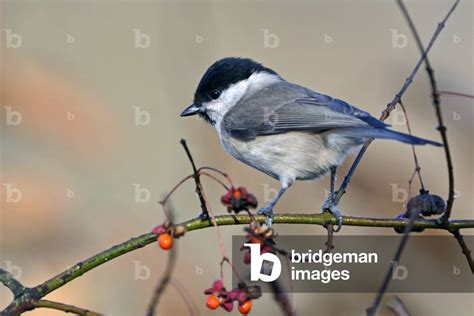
(132, 244)
(197, 181)
(372, 309)
(391, 106)
(64, 307)
(7, 279)
(26, 299)
(443, 131)
(282, 298)
(437, 105)
(395, 304)
(167, 274)
(457, 94)
(465, 250)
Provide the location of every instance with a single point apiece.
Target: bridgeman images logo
(260, 264)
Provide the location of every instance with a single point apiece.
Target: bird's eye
(215, 94)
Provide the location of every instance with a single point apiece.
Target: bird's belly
(289, 156)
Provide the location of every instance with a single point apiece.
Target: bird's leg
(330, 204)
(267, 210)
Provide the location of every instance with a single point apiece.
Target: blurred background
(91, 93)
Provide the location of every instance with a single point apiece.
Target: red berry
(213, 301)
(245, 307)
(165, 241)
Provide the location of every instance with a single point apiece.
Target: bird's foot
(330, 206)
(268, 212)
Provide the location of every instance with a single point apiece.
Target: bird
(283, 129)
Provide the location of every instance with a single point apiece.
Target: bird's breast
(288, 156)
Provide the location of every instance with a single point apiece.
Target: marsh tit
(283, 129)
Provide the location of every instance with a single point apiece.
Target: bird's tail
(371, 132)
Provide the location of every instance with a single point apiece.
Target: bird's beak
(191, 110)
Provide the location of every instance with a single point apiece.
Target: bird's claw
(334, 210)
(330, 206)
(268, 212)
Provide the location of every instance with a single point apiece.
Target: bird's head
(225, 83)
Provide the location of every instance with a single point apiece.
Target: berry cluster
(259, 234)
(243, 294)
(424, 204)
(238, 200)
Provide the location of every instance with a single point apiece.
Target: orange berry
(213, 301)
(165, 241)
(245, 307)
(237, 194)
(255, 240)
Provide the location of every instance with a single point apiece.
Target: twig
(197, 180)
(162, 284)
(395, 304)
(225, 175)
(442, 129)
(192, 308)
(465, 250)
(282, 298)
(330, 240)
(372, 310)
(415, 157)
(203, 173)
(458, 94)
(391, 105)
(165, 279)
(437, 105)
(64, 307)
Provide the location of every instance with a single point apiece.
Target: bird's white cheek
(215, 110)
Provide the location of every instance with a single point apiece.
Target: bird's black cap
(218, 77)
(224, 73)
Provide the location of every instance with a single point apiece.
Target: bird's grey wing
(285, 107)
